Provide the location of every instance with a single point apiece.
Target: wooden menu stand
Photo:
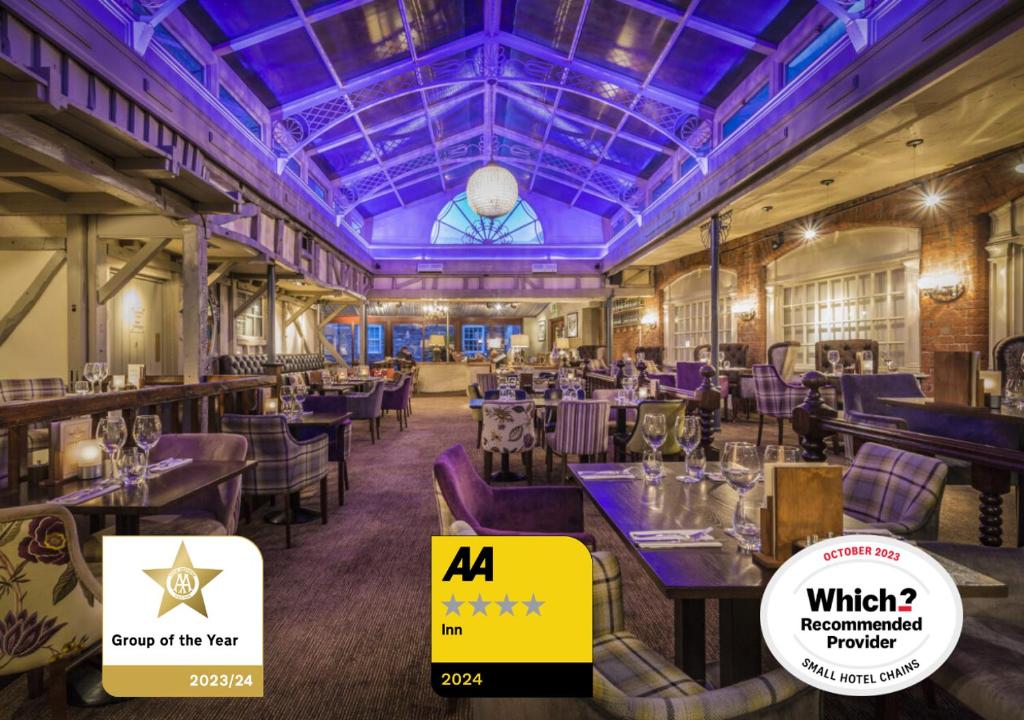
(802, 499)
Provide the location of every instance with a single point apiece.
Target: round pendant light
(492, 191)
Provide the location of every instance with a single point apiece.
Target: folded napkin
(80, 496)
(623, 474)
(654, 539)
(166, 465)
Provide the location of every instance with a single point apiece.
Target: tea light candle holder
(89, 457)
(642, 393)
(117, 382)
(270, 406)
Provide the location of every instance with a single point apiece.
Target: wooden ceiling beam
(28, 299)
(131, 268)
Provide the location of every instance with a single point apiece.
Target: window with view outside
(243, 116)
(473, 339)
(181, 54)
(870, 304)
(457, 224)
(340, 335)
(691, 325)
(374, 342)
(408, 335)
(250, 324)
(746, 111)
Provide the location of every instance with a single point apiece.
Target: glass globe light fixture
(492, 191)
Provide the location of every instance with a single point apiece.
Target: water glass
(833, 360)
(146, 430)
(112, 433)
(746, 524)
(867, 362)
(82, 387)
(131, 466)
(652, 466)
(774, 454)
(696, 464)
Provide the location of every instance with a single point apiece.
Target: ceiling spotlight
(809, 233)
(931, 199)
(767, 208)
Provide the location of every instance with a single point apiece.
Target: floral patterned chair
(51, 612)
(508, 428)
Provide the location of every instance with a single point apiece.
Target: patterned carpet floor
(346, 609)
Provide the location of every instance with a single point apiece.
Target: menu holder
(136, 375)
(801, 499)
(957, 376)
(65, 436)
(865, 366)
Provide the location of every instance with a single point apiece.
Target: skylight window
(814, 49)
(746, 111)
(241, 114)
(319, 190)
(181, 54)
(294, 168)
(661, 187)
(457, 224)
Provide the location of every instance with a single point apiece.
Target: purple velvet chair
(688, 377)
(367, 406)
(462, 494)
(396, 397)
(339, 445)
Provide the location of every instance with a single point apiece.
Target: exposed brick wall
(627, 339)
(952, 236)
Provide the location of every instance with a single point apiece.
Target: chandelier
(492, 191)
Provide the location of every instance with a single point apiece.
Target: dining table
(304, 427)
(128, 504)
(690, 576)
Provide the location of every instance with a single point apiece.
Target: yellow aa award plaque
(511, 617)
(182, 617)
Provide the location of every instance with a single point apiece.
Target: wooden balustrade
(180, 407)
(991, 466)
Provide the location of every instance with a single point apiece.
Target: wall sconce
(745, 309)
(650, 319)
(943, 286)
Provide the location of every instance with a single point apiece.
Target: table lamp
(437, 342)
(519, 343)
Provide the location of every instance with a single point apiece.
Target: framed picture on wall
(542, 331)
(572, 325)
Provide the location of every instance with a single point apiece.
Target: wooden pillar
(364, 333)
(195, 303)
(271, 328)
(95, 277)
(78, 293)
(608, 329)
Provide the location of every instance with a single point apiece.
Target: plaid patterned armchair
(631, 681)
(777, 398)
(896, 490)
(581, 429)
(285, 465)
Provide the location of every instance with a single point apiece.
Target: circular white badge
(861, 615)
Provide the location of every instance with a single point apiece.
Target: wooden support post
(28, 299)
(95, 275)
(271, 328)
(302, 309)
(223, 269)
(78, 295)
(363, 332)
(709, 399)
(806, 418)
(139, 259)
(195, 303)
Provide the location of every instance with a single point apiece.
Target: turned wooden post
(620, 370)
(709, 399)
(991, 484)
(806, 418)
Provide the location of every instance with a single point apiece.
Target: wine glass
(146, 430)
(833, 360)
(112, 432)
(741, 465)
(102, 373)
(688, 435)
(301, 392)
(287, 398)
(89, 373)
(704, 356)
(653, 428)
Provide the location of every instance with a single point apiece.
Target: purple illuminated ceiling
(399, 100)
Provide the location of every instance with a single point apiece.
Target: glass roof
(585, 99)
(457, 224)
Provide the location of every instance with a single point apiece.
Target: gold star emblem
(182, 583)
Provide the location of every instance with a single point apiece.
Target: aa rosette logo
(861, 615)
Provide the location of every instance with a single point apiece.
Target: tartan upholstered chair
(633, 444)
(29, 389)
(51, 611)
(461, 494)
(777, 398)
(508, 429)
(284, 465)
(339, 444)
(633, 682)
(581, 429)
(895, 490)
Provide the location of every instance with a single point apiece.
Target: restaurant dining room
(511, 359)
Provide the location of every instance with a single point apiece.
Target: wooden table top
(1002, 414)
(153, 496)
(701, 573)
(321, 419)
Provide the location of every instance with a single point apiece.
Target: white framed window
(859, 283)
(688, 308)
(249, 326)
(868, 304)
